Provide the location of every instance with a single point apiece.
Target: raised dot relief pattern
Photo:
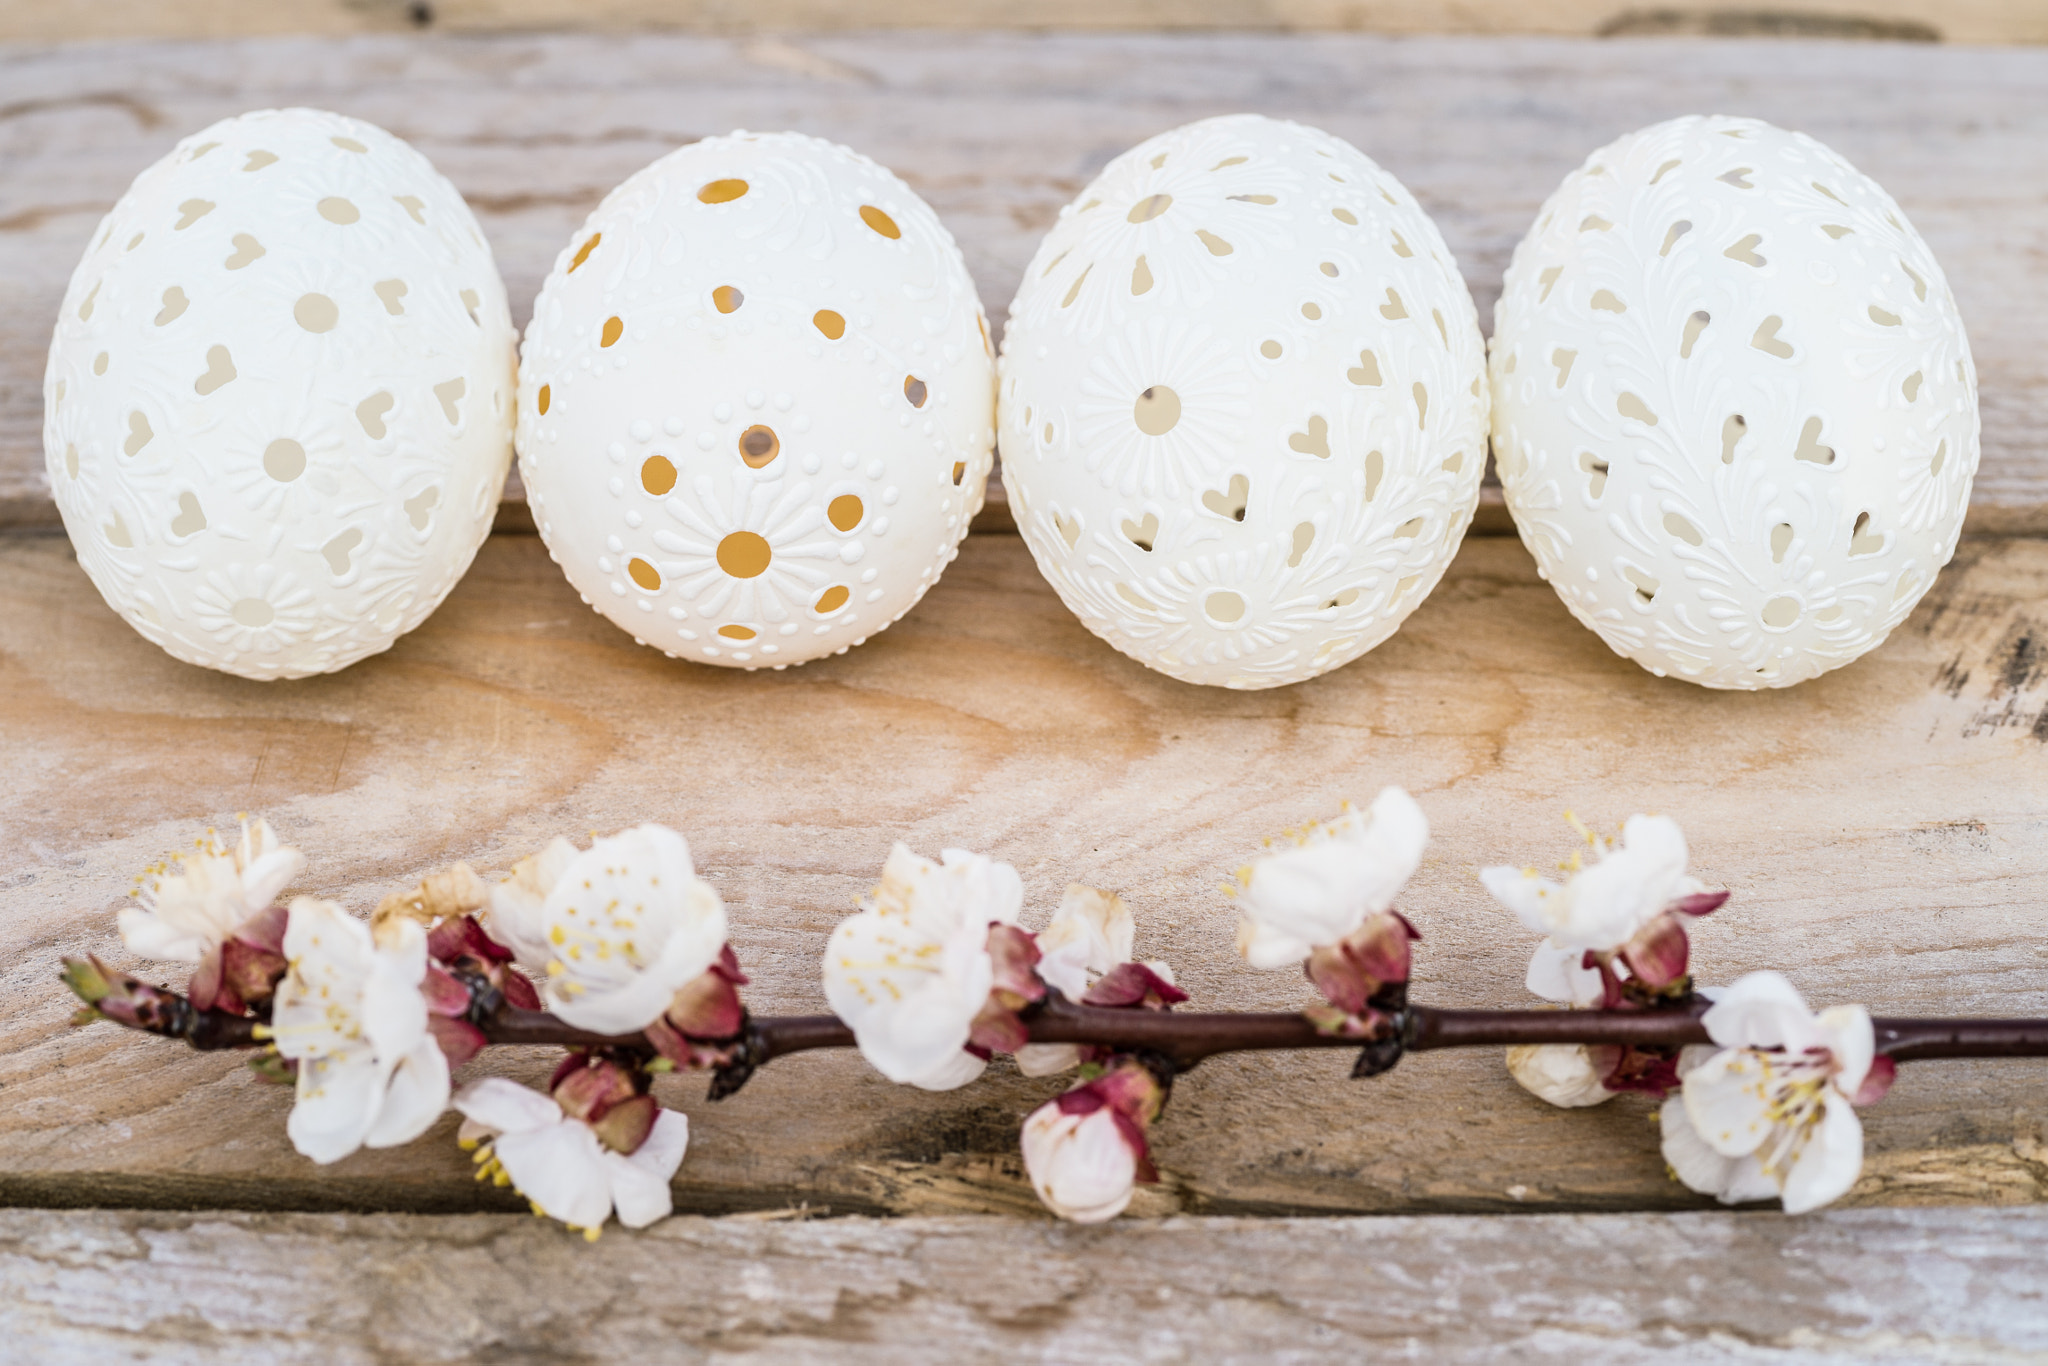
(1748, 473)
(748, 464)
(271, 377)
(1249, 470)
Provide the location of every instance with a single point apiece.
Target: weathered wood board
(999, 130)
(1885, 831)
(334, 1290)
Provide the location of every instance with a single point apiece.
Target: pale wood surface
(220, 1289)
(1957, 21)
(998, 130)
(1882, 828)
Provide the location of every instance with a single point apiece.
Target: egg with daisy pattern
(756, 402)
(1243, 406)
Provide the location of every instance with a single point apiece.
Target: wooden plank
(998, 130)
(1958, 21)
(1884, 828)
(1921, 1285)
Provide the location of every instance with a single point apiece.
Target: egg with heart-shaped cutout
(1243, 403)
(278, 405)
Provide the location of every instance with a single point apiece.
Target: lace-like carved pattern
(1243, 403)
(1735, 411)
(278, 405)
(757, 402)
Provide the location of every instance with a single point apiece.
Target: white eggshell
(1243, 411)
(1734, 408)
(756, 402)
(278, 407)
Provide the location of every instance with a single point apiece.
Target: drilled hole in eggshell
(1304, 537)
(139, 434)
(644, 574)
(471, 301)
(614, 328)
(415, 207)
(1768, 341)
(1911, 388)
(71, 460)
(337, 551)
(1919, 284)
(736, 632)
(1781, 541)
(1837, 231)
(541, 402)
(657, 475)
(191, 518)
(832, 599)
(1422, 407)
(335, 209)
(419, 509)
(1393, 310)
(1781, 612)
(1631, 406)
(959, 472)
(1344, 216)
(727, 299)
(1548, 280)
(1809, 448)
(1156, 411)
(1366, 372)
(583, 252)
(1408, 530)
(1149, 208)
(1074, 290)
(721, 191)
(1745, 251)
(880, 222)
(1683, 529)
(1884, 317)
(370, 413)
(175, 304)
(1694, 325)
(1678, 230)
(258, 160)
(190, 212)
(1375, 471)
(745, 554)
(1665, 170)
(1732, 432)
(284, 460)
(348, 144)
(117, 534)
(1607, 301)
(1216, 245)
(247, 251)
(253, 613)
(1314, 441)
(1645, 586)
(1230, 502)
(316, 313)
(450, 393)
(1224, 606)
(845, 511)
(1142, 534)
(220, 369)
(759, 445)
(1312, 312)
(1141, 277)
(1596, 473)
(1862, 540)
(914, 390)
(1343, 599)
(392, 294)
(1270, 349)
(1593, 222)
(1940, 458)
(829, 323)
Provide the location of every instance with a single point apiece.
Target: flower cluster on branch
(618, 953)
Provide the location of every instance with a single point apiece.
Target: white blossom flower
(561, 1166)
(1563, 1074)
(1772, 1110)
(1599, 908)
(615, 931)
(1335, 877)
(912, 970)
(1080, 1165)
(1090, 935)
(1085, 1150)
(351, 1013)
(190, 911)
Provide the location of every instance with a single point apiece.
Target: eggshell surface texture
(1735, 412)
(1243, 405)
(278, 406)
(756, 402)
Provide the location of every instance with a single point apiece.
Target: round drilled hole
(829, 323)
(914, 390)
(745, 554)
(722, 191)
(658, 475)
(845, 511)
(284, 460)
(759, 445)
(1157, 410)
(1224, 606)
(726, 298)
(644, 574)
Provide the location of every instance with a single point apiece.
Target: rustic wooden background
(1882, 828)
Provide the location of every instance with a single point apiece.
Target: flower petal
(1829, 1162)
(1562, 1074)
(1559, 974)
(1539, 904)
(152, 936)
(338, 1098)
(1728, 1097)
(1852, 1039)
(560, 1167)
(414, 1097)
(506, 1107)
(640, 1189)
(1762, 1010)
(1046, 1059)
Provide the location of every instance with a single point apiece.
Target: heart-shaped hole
(1069, 529)
(1142, 534)
(1315, 441)
(1230, 502)
(1810, 448)
(220, 368)
(1767, 340)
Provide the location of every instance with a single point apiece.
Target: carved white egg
(1734, 408)
(757, 402)
(1243, 405)
(278, 408)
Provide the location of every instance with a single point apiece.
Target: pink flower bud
(1013, 951)
(708, 1005)
(1134, 985)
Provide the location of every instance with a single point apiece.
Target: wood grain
(335, 1290)
(1882, 828)
(998, 130)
